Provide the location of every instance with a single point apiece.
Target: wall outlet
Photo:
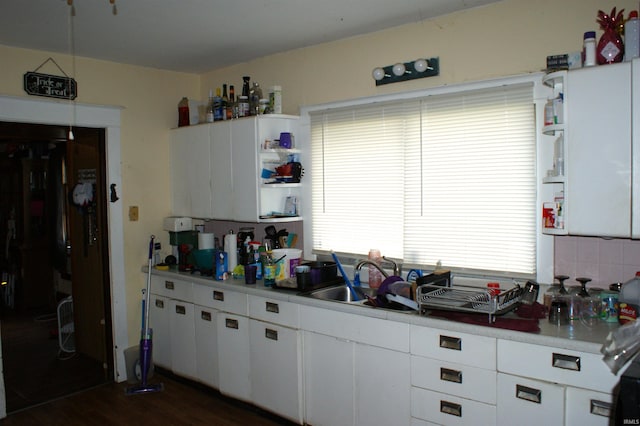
(133, 213)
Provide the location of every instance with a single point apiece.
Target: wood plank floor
(180, 403)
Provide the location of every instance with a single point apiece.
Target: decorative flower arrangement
(610, 48)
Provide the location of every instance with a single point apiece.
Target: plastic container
(286, 268)
(589, 49)
(632, 37)
(375, 276)
(629, 300)
(275, 99)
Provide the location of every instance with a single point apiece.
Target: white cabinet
(172, 317)
(356, 365)
(190, 171)
(453, 377)
(183, 338)
(597, 141)
(159, 322)
(549, 385)
(329, 380)
(234, 356)
(206, 331)
(216, 169)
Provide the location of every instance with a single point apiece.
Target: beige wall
(505, 38)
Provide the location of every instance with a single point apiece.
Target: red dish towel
(516, 324)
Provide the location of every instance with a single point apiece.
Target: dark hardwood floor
(35, 371)
(180, 403)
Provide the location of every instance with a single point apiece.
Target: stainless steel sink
(343, 294)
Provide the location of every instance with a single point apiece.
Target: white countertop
(576, 336)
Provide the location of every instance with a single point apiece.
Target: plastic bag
(621, 346)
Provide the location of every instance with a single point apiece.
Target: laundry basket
(66, 328)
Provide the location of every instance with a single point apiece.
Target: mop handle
(146, 305)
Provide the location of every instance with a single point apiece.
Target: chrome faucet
(360, 264)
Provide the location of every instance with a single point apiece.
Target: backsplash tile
(605, 261)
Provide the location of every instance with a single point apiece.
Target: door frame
(38, 111)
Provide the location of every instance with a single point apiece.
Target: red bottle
(183, 112)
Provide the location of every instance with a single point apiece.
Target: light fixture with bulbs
(419, 68)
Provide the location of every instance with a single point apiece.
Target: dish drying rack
(467, 299)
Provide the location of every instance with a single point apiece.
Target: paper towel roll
(231, 247)
(205, 241)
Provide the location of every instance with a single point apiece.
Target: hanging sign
(51, 86)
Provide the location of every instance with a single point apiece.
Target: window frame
(544, 146)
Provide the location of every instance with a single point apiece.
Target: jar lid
(589, 34)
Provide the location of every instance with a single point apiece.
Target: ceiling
(197, 36)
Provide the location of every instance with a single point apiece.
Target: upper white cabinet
(592, 189)
(216, 170)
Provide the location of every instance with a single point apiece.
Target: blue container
(204, 258)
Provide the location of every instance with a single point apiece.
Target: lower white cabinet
(382, 391)
(524, 401)
(159, 323)
(183, 338)
(328, 380)
(207, 345)
(588, 408)
(234, 356)
(276, 369)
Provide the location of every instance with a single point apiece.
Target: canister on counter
(610, 303)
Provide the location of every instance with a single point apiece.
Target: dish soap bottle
(375, 277)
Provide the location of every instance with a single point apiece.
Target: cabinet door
(244, 153)
(190, 172)
(588, 408)
(221, 171)
(383, 383)
(233, 356)
(276, 369)
(183, 338)
(159, 322)
(328, 380)
(599, 151)
(527, 402)
(206, 346)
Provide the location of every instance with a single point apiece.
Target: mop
(146, 345)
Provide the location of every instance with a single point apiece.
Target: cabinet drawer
(274, 311)
(580, 369)
(454, 379)
(588, 408)
(525, 402)
(461, 348)
(222, 300)
(172, 288)
(450, 410)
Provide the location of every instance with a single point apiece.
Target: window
(448, 178)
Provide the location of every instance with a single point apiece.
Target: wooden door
(88, 236)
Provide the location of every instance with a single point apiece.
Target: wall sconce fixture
(419, 68)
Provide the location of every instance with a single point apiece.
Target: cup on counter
(559, 312)
(593, 310)
(303, 276)
(250, 272)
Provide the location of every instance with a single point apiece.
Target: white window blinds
(447, 178)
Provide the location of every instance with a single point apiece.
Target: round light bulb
(399, 69)
(421, 65)
(378, 74)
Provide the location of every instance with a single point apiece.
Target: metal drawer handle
(206, 316)
(567, 362)
(218, 295)
(231, 323)
(601, 408)
(181, 310)
(451, 408)
(271, 334)
(449, 375)
(272, 307)
(454, 343)
(169, 285)
(160, 303)
(529, 394)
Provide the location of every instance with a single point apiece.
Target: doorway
(55, 256)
